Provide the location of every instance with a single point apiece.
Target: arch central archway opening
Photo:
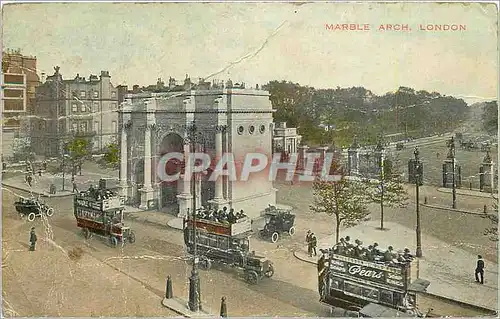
(170, 143)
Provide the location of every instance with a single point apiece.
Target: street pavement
(449, 269)
(41, 184)
(135, 272)
(159, 251)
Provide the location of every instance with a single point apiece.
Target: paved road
(157, 253)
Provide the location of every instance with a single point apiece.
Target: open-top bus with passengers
(366, 285)
(100, 211)
(226, 243)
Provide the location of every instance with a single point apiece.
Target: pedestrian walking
(33, 239)
(314, 243)
(309, 243)
(29, 179)
(480, 269)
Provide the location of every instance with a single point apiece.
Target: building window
(240, 129)
(13, 105)
(74, 107)
(13, 79)
(83, 126)
(115, 128)
(82, 94)
(83, 107)
(96, 94)
(96, 126)
(251, 129)
(262, 129)
(74, 126)
(96, 106)
(13, 93)
(113, 106)
(113, 94)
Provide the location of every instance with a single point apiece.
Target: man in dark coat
(314, 243)
(33, 239)
(309, 243)
(480, 269)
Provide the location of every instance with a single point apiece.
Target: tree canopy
(343, 199)
(112, 155)
(79, 148)
(490, 117)
(387, 190)
(346, 112)
(492, 231)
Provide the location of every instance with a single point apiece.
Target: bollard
(223, 308)
(470, 185)
(169, 293)
(485, 209)
(425, 200)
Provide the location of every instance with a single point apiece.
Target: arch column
(184, 199)
(124, 160)
(147, 190)
(219, 200)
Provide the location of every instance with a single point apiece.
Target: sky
(258, 42)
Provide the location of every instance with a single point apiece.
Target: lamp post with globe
(194, 138)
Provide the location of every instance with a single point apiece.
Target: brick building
(66, 108)
(19, 80)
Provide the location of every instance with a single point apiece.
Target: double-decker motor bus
(358, 284)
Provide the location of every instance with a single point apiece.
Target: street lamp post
(381, 151)
(63, 169)
(418, 252)
(194, 280)
(451, 145)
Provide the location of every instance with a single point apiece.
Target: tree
(388, 189)
(492, 232)
(22, 150)
(112, 155)
(342, 199)
(490, 117)
(78, 149)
